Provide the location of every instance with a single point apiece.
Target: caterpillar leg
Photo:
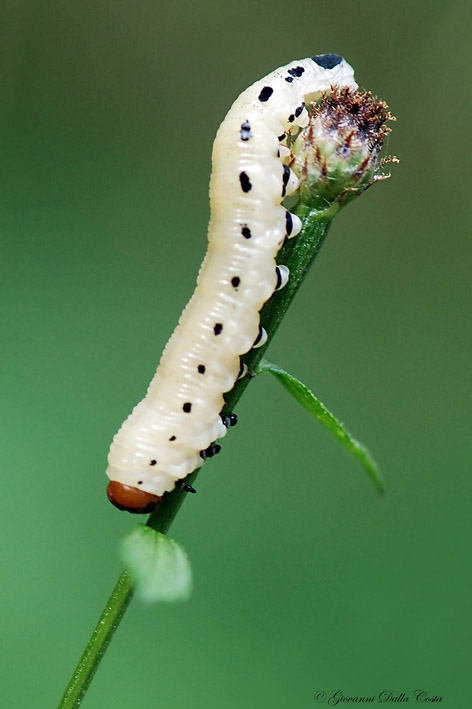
(261, 338)
(293, 225)
(229, 419)
(210, 451)
(282, 273)
(186, 487)
(242, 371)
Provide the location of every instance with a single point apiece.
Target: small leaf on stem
(158, 565)
(318, 410)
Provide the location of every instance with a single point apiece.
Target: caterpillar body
(166, 435)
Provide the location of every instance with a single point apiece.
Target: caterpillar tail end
(131, 499)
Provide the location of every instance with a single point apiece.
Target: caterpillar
(172, 430)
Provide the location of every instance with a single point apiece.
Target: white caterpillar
(163, 439)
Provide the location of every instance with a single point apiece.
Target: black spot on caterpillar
(245, 131)
(159, 444)
(296, 71)
(246, 185)
(266, 93)
(328, 61)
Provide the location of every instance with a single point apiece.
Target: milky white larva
(167, 434)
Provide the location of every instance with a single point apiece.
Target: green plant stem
(98, 643)
(298, 254)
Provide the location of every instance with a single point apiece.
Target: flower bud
(336, 156)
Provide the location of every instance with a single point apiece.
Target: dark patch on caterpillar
(289, 79)
(327, 61)
(297, 71)
(235, 281)
(172, 438)
(187, 407)
(201, 368)
(266, 93)
(140, 482)
(299, 110)
(217, 328)
(246, 131)
(246, 232)
(288, 223)
(245, 182)
(291, 118)
(153, 462)
(285, 179)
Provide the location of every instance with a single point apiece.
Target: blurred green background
(304, 579)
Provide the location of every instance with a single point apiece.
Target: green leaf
(316, 408)
(158, 565)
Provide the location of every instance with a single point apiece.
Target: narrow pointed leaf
(316, 408)
(158, 565)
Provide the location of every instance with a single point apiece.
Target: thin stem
(111, 617)
(98, 643)
(298, 254)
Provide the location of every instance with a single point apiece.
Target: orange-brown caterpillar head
(131, 499)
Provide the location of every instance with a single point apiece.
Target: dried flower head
(336, 156)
